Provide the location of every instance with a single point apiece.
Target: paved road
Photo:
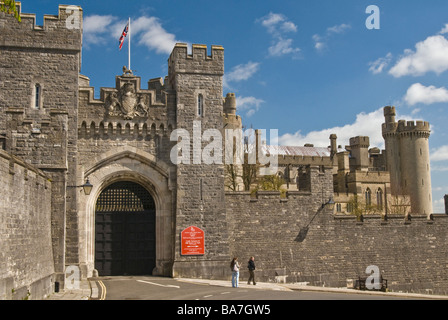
(196, 299)
(156, 288)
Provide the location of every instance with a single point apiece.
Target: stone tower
(407, 157)
(197, 80)
(39, 68)
(360, 152)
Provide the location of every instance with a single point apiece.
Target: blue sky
(308, 68)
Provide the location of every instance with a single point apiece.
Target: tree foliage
(359, 208)
(9, 7)
(271, 183)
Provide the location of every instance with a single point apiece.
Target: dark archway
(125, 215)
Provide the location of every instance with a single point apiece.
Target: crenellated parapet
(58, 32)
(126, 110)
(418, 128)
(198, 62)
(403, 127)
(360, 142)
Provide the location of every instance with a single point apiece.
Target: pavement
(88, 290)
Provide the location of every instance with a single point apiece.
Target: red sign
(192, 242)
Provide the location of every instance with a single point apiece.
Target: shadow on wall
(304, 230)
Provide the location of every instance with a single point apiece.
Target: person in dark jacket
(251, 267)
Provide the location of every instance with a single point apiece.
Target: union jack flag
(124, 34)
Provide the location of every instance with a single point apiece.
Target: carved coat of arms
(127, 103)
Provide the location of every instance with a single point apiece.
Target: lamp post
(87, 187)
(330, 204)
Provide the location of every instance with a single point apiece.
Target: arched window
(379, 199)
(368, 195)
(349, 207)
(200, 105)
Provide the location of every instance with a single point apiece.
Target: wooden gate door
(125, 230)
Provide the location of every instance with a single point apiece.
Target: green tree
(271, 183)
(9, 7)
(359, 208)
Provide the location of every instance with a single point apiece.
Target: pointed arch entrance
(125, 240)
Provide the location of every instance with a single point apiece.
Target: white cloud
(242, 72)
(147, 31)
(418, 93)
(248, 104)
(439, 169)
(278, 26)
(288, 26)
(444, 29)
(277, 23)
(153, 35)
(440, 154)
(439, 206)
(97, 23)
(430, 55)
(366, 124)
(282, 47)
(96, 28)
(380, 64)
(320, 42)
(338, 28)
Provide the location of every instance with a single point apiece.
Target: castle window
(200, 188)
(200, 105)
(338, 207)
(349, 207)
(368, 195)
(37, 96)
(379, 199)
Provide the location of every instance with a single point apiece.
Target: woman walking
(235, 267)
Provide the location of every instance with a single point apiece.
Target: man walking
(251, 267)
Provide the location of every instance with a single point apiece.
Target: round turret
(230, 104)
(407, 157)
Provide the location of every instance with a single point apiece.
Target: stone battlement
(198, 62)
(391, 127)
(360, 141)
(407, 126)
(58, 32)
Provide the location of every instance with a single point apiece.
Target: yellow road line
(103, 290)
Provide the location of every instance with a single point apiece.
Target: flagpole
(129, 45)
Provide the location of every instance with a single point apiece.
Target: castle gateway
(56, 136)
(124, 148)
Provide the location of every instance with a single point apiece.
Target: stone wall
(39, 68)
(26, 256)
(410, 253)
